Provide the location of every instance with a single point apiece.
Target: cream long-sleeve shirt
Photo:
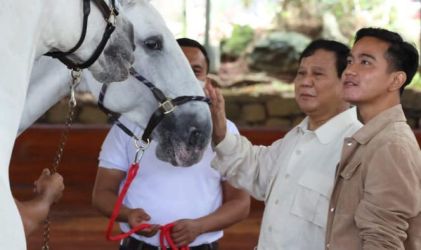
(294, 176)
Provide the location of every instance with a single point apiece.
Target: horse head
(117, 57)
(98, 36)
(183, 135)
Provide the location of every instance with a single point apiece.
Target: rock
(279, 123)
(282, 107)
(409, 98)
(233, 111)
(243, 80)
(331, 28)
(230, 70)
(254, 113)
(278, 53)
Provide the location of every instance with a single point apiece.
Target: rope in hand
(165, 230)
(76, 76)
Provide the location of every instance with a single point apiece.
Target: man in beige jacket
(376, 200)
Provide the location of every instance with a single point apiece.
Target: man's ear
(399, 78)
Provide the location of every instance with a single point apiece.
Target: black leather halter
(109, 14)
(166, 106)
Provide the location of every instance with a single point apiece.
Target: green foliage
(241, 36)
(343, 8)
(247, 3)
(350, 14)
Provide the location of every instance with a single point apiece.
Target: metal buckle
(167, 106)
(112, 19)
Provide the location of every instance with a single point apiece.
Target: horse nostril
(196, 138)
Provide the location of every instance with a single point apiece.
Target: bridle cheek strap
(109, 14)
(162, 111)
(166, 107)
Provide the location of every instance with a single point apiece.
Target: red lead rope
(164, 230)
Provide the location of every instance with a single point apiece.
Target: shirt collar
(330, 130)
(378, 123)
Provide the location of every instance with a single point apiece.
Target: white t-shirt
(165, 192)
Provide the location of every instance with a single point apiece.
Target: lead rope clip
(141, 146)
(76, 76)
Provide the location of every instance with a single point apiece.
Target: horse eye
(153, 44)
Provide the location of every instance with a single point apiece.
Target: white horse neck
(17, 50)
(30, 29)
(48, 87)
(69, 17)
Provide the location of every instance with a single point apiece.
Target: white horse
(182, 135)
(43, 26)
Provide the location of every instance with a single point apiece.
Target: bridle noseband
(109, 14)
(166, 106)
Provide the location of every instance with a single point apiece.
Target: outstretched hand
(217, 108)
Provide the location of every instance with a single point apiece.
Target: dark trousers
(134, 244)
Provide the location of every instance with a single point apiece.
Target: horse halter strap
(109, 15)
(166, 106)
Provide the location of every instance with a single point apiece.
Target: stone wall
(265, 111)
(247, 110)
(281, 110)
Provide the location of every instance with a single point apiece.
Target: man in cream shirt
(295, 175)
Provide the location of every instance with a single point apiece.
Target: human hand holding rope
(165, 230)
(49, 186)
(138, 216)
(185, 231)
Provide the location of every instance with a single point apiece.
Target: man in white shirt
(294, 176)
(196, 199)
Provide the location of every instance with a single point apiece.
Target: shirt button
(332, 209)
(327, 245)
(276, 202)
(270, 228)
(298, 152)
(286, 176)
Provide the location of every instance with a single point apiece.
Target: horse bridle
(110, 14)
(166, 106)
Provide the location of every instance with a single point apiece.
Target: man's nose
(349, 70)
(307, 81)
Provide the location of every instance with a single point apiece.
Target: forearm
(33, 213)
(105, 192)
(245, 165)
(225, 216)
(105, 202)
(392, 198)
(381, 233)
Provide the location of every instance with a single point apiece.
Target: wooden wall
(76, 225)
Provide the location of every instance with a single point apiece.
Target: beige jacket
(376, 200)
